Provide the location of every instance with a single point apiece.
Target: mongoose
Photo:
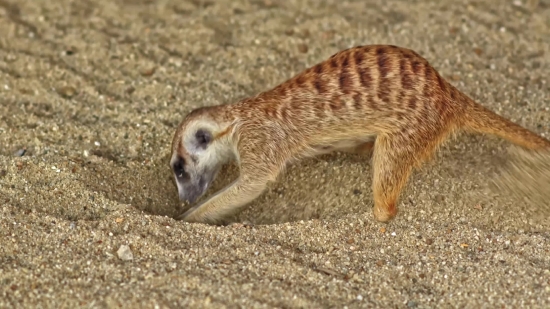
(383, 100)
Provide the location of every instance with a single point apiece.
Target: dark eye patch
(203, 138)
(179, 170)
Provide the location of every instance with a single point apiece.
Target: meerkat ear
(203, 138)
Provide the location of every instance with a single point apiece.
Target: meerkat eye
(203, 138)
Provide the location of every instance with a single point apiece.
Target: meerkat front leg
(251, 183)
(229, 199)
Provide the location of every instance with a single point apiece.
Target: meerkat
(384, 101)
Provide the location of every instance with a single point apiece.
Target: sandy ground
(93, 91)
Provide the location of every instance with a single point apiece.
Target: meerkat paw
(385, 214)
(194, 216)
(190, 215)
(185, 216)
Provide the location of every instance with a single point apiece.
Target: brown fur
(380, 94)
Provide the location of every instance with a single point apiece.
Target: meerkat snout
(191, 163)
(187, 189)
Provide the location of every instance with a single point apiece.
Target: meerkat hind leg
(394, 159)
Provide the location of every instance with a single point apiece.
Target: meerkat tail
(482, 120)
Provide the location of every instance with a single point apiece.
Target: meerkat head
(199, 149)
